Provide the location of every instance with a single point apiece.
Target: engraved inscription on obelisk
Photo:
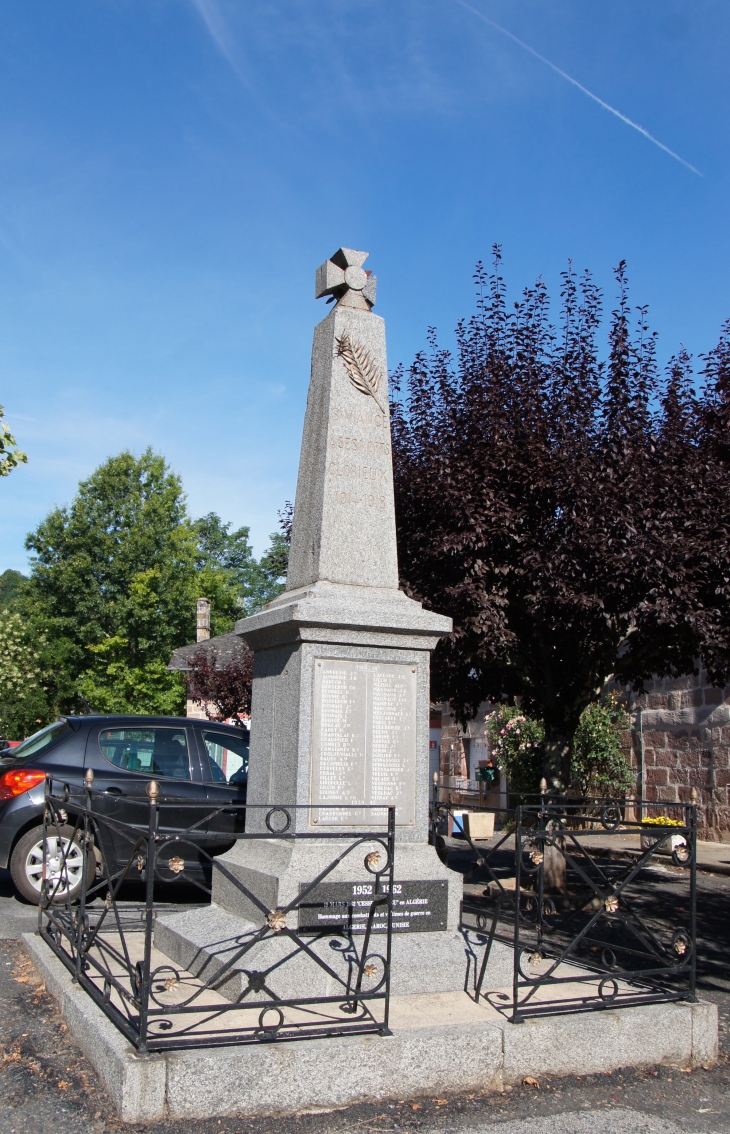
(363, 741)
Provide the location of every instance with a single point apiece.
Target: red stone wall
(685, 724)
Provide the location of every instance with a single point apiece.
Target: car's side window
(228, 756)
(150, 751)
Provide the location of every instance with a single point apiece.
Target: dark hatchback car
(194, 762)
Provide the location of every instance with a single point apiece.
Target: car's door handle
(113, 791)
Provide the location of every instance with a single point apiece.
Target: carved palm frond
(361, 367)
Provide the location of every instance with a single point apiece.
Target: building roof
(225, 647)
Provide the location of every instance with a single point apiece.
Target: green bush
(598, 765)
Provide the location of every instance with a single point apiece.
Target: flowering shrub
(598, 766)
(516, 743)
(22, 689)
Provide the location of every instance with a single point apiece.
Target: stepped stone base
(203, 941)
(274, 870)
(442, 1043)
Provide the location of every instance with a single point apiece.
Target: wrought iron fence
(159, 1005)
(571, 898)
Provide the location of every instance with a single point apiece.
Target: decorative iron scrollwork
(682, 943)
(611, 817)
(377, 861)
(278, 826)
(165, 1008)
(608, 990)
(268, 1031)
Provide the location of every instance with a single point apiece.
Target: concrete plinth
(442, 1043)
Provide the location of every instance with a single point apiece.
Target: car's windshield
(40, 741)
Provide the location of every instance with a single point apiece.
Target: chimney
(203, 628)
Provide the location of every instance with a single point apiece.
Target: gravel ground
(47, 1087)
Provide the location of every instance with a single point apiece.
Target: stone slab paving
(616, 1122)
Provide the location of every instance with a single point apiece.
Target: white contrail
(565, 75)
(216, 26)
(212, 17)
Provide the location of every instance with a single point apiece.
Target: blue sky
(172, 172)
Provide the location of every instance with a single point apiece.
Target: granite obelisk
(340, 711)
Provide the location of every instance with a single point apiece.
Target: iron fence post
(81, 912)
(42, 895)
(542, 846)
(516, 1019)
(693, 893)
(153, 791)
(389, 939)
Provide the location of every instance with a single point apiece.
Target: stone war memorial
(341, 660)
(340, 706)
(338, 960)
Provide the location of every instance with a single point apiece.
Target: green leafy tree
(230, 551)
(11, 589)
(113, 585)
(271, 575)
(256, 583)
(10, 455)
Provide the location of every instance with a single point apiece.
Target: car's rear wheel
(64, 864)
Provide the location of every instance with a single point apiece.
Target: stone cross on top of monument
(343, 278)
(344, 518)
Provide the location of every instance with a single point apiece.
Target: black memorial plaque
(343, 907)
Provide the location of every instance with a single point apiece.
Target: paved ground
(47, 1087)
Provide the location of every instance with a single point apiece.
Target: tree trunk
(554, 873)
(557, 761)
(557, 775)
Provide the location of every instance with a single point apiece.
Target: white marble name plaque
(363, 742)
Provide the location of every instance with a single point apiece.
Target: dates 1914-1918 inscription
(363, 742)
(344, 907)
